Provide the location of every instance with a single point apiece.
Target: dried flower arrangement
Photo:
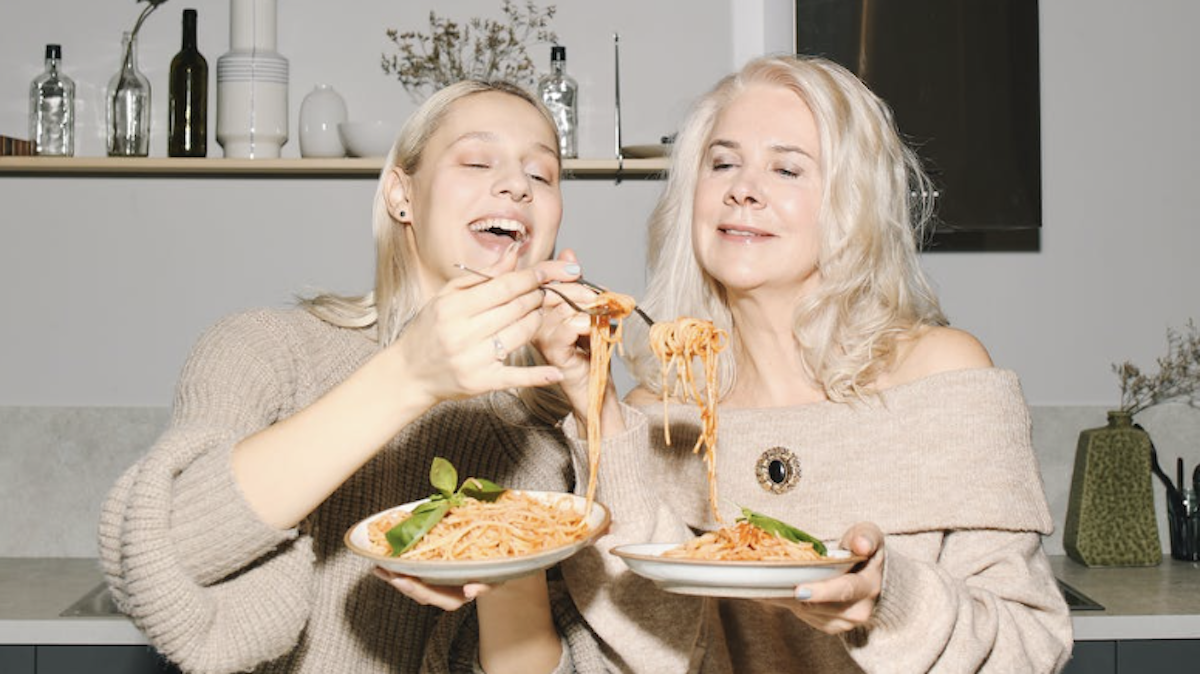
(1178, 374)
(484, 49)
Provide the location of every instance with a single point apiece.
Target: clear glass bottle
(187, 134)
(128, 106)
(560, 93)
(52, 108)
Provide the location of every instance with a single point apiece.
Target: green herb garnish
(781, 529)
(424, 517)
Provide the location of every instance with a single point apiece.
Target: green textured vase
(1110, 514)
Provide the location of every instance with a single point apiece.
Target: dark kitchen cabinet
(1150, 656)
(77, 659)
(17, 659)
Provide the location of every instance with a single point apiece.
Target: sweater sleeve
(635, 621)
(213, 587)
(987, 604)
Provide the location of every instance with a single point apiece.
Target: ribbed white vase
(252, 84)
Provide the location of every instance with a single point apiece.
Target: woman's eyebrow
(778, 148)
(489, 137)
(783, 149)
(486, 136)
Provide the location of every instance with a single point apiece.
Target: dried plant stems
(483, 49)
(1178, 374)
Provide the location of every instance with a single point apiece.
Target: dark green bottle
(188, 130)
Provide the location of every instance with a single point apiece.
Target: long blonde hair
(396, 298)
(874, 212)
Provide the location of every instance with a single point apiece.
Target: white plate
(480, 571)
(729, 579)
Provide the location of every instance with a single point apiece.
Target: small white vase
(320, 113)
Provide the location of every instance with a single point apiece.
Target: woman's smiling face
(488, 177)
(754, 218)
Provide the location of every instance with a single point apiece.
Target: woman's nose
(513, 183)
(744, 191)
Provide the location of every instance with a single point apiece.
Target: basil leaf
(443, 476)
(406, 534)
(781, 529)
(481, 489)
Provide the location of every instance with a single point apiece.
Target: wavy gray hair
(875, 209)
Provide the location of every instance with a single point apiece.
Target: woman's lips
(502, 228)
(743, 233)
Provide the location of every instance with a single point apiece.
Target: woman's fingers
(445, 597)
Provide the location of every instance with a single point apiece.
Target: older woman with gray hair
(847, 408)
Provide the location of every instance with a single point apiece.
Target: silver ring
(498, 349)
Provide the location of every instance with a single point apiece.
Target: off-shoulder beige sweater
(215, 589)
(943, 465)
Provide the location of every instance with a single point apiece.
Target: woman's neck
(769, 369)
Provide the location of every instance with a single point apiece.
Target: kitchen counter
(1148, 602)
(1154, 602)
(34, 591)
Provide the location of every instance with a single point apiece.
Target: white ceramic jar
(252, 84)
(320, 113)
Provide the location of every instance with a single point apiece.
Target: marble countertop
(35, 590)
(1148, 602)
(1155, 602)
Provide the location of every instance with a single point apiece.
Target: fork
(595, 311)
(601, 289)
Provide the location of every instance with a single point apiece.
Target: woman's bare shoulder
(937, 349)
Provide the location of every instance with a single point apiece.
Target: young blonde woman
(848, 408)
(224, 544)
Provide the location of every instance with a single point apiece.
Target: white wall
(106, 282)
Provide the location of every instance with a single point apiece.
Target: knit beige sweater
(215, 589)
(943, 465)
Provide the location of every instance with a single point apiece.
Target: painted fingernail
(572, 269)
(803, 593)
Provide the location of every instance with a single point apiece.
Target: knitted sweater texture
(215, 589)
(943, 465)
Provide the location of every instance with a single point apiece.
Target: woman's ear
(396, 189)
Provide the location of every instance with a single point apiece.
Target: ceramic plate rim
(493, 570)
(713, 578)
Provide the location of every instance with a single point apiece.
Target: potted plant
(1110, 512)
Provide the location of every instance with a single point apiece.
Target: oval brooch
(777, 470)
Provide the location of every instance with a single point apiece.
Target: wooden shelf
(282, 168)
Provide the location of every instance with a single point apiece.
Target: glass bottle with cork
(52, 108)
(560, 93)
(187, 134)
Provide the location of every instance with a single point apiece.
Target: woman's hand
(844, 602)
(564, 340)
(445, 597)
(457, 344)
(564, 335)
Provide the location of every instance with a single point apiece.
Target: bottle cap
(53, 51)
(558, 53)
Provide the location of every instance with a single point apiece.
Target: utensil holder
(1185, 531)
